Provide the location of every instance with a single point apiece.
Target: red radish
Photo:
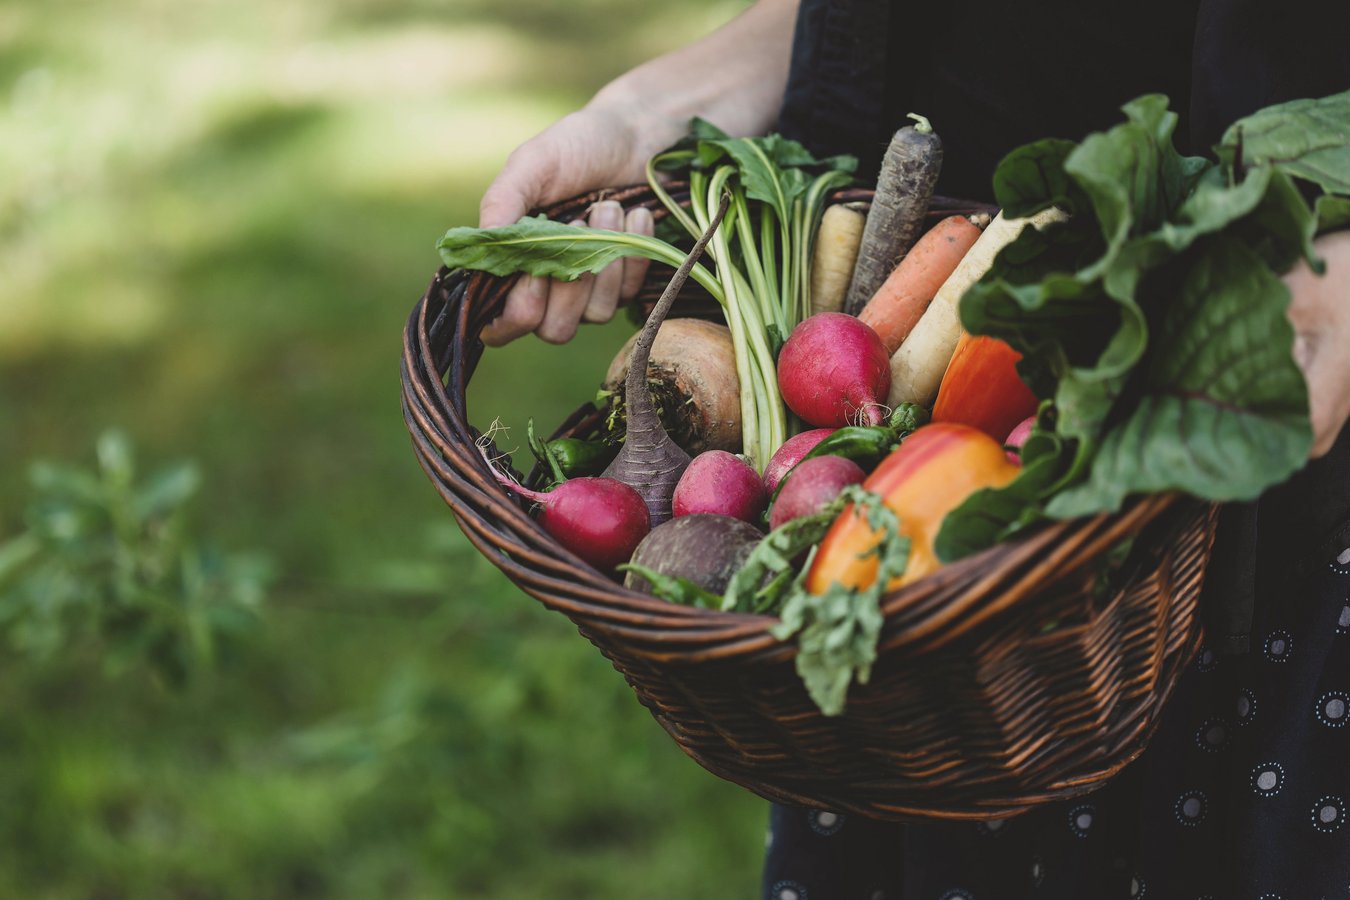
(1017, 437)
(721, 483)
(791, 453)
(599, 519)
(811, 485)
(834, 370)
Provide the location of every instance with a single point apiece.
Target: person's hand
(734, 76)
(1320, 313)
(596, 147)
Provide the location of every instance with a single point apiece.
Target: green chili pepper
(864, 444)
(577, 457)
(570, 457)
(908, 417)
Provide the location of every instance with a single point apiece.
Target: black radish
(705, 548)
(650, 462)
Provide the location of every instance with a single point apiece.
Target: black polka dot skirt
(1243, 792)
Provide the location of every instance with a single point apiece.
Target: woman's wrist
(734, 77)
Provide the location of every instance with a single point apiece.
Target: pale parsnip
(836, 250)
(919, 363)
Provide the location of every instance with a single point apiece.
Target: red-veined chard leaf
(1222, 409)
(1308, 139)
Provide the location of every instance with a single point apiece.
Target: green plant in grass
(106, 562)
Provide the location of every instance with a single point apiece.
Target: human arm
(734, 77)
(1320, 313)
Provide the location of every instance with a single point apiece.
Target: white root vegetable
(919, 363)
(836, 251)
(692, 375)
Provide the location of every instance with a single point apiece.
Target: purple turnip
(650, 462)
(704, 548)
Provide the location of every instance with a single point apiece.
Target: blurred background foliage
(277, 669)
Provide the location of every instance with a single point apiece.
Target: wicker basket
(1006, 680)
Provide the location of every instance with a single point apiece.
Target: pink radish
(721, 483)
(791, 453)
(1017, 437)
(834, 370)
(599, 519)
(811, 485)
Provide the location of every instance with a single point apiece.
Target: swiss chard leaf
(1132, 173)
(1332, 213)
(541, 246)
(1078, 342)
(1308, 139)
(1032, 178)
(1222, 409)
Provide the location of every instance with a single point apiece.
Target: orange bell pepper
(982, 389)
(926, 477)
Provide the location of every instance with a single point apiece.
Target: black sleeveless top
(1245, 789)
(994, 74)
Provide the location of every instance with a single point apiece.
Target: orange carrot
(902, 299)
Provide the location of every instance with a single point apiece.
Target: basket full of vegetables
(915, 525)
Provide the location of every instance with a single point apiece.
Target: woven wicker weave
(1009, 679)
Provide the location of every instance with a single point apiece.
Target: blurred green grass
(214, 219)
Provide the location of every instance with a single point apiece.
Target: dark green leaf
(1308, 139)
(1032, 178)
(1282, 226)
(1223, 409)
(1132, 174)
(674, 588)
(1333, 213)
(541, 246)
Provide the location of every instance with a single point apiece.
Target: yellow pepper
(928, 476)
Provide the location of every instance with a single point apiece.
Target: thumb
(521, 186)
(503, 204)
